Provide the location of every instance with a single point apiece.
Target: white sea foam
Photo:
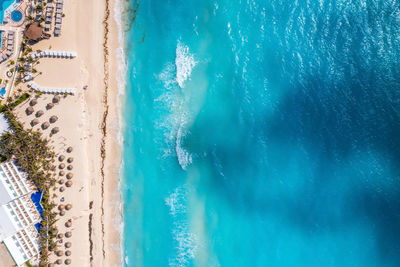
(121, 77)
(184, 157)
(186, 241)
(184, 62)
(176, 201)
(186, 246)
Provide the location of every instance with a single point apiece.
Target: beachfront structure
(18, 214)
(10, 47)
(58, 17)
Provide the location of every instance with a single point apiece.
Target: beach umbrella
(45, 125)
(69, 175)
(61, 158)
(29, 110)
(61, 207)
(61, 181)
(49, 106)
(68, 224)
(70, 149)
(59, 262)
(51, 265)
(61, 173)
(61, 166)
(56, 99)
(62, 189)
(39, 113)
(70, 167)
(68, 207)
(60, 235)
(68, 253)
(70, 159)
(53, 119)
(68, 184)
(59, 253)
(33, 102)
(68, 234)
(68, 244)
(62, 213)
(67, 261)
(34, 122)
(55, 130)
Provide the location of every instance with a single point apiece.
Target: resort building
(18, 214)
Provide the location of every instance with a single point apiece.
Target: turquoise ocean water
(262, 133)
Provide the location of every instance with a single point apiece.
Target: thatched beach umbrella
(49, 106)
(61, 181)
(62, 189)
(68, 234)
(68, 244)
(55, 130)
(33, 102)
(59, 262)
(70, 149)
(67, 261)
(51, 265)
(62, 213)
(61, 173)
(68, 224)
(29, 110)
(68, 253)
(59, 253)
(61, 166)
(68, 184)
(60, 235)
(56, 99)
(70, 159)
(69, 175)
(61, 207)
(70, 167)
(39, 113)
(61, 157)
(45, 125)
(68, 207)
(34, 122)
(53, 119)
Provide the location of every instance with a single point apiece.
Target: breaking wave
(185, 240)
(184, 62)
(172, 99)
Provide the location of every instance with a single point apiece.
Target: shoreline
(112, 127)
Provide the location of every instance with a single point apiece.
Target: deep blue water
(262, 133)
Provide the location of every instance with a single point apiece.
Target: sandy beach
(88, 121)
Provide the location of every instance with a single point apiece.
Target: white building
(18, 214)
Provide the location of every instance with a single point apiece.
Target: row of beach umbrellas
(51, 90)
(54, 54)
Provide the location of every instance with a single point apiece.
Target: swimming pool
(16, 15)
(36, 198)
(4, 4)
(3, 92)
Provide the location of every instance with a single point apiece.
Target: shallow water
(262, 133)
